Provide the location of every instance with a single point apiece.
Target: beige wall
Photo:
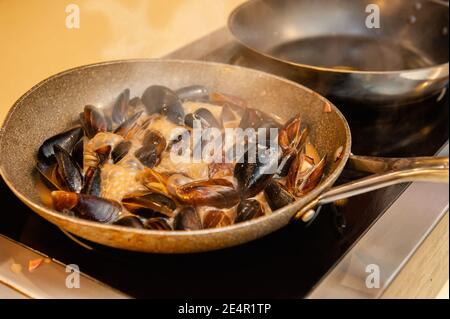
(37, 44)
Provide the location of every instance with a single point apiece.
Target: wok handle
(388, 171)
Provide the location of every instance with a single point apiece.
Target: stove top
(285, 264)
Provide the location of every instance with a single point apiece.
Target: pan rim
(230, 26)
(39, 207)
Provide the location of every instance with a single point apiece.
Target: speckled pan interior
(54, 104)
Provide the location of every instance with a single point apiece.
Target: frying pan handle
(388, 171)
(371, 164)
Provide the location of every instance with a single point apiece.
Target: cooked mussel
(196, 93)
(153, 145)
(120, 108)
(237, 104)
(69, 173)
(66, 140)
(204, 117)
(187, 218)
(129, 221)
(78, 152)
(150, 205)
(86, 206)
(93, 121)
(129, 126)
(120, 151)
(292, 135)
(154, 181)
(160, 99)
(50, 174)
(277, 196)
(215, 219)
(213, 192)
(312, 178)
(252, 177)
(248, 209)
(157, 223)
(304, 175)
(92, 181)
(251, 119)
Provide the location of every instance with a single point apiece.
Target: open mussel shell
(157, 223)
(277, 196)
(155, 139)
(285, 162)
(150, 205)
(252, 118)
(68, 170)
(152, 147)
(50, 174)
(103, 154)
(78, 152)
(213, 192)
(135, 102)
(237, 104)
(92, 181)
(120, 108)
(160, 99)
(120, 151)
(129, 221)
(93, 121)
(187, 218)
(296, 174)
(204, 117)
(216, 219)
(248, 209)
(252, 177)
(129, 126)
(66, 140)
(227, 116)
(86, 206)
(312, 178)
(195, 93)
(154, 181)
(148, 156)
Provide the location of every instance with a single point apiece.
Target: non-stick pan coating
(54, 104)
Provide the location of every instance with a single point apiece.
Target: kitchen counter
(37, 44)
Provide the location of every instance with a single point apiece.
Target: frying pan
(54, 104)
(327, 46)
